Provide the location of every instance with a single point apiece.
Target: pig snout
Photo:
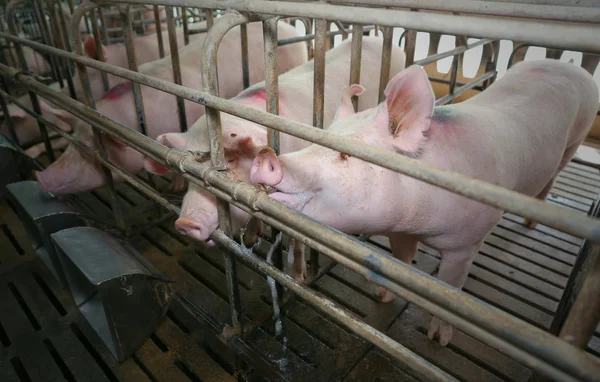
(194, 229)
(266, 168)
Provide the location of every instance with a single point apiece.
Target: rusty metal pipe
(186, 32)
(104, 29)
(99, 52)
(539, 349)
(553, 216)
(453, 52)
(176, 64)
(245, 63)
(309, 37)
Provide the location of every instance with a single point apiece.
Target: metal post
(210, 82)
(161, 46)
(89, 101)
(99, 52)
(245, 68)
(45, 32)
(186, 31)
(386, 57)
(104, 27)
(7, 119)
(176, 66)
(63, 32)
(318, 105)
(356, 58)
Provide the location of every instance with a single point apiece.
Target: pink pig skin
(518, 134)
(243, 139)
(72, 173)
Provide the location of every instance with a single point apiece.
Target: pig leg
(404, 248)
(567, 156)
(454, 269)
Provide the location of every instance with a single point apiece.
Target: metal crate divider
(122, 299)
(13, 164)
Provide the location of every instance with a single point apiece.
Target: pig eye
(233, 135)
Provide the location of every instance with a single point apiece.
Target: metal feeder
(122, 299)
(42, 215)
(13, 164)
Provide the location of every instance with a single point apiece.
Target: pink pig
(243, 139)
(72, 173)
(518, 134)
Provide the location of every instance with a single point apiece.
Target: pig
(243, 139)
(146, 50)
(27, 129)
(518, 134)
(72, 173)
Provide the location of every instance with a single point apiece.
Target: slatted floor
(44, 338)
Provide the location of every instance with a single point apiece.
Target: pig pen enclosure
(99, 285)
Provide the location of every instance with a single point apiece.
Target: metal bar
(553, 216)
(355, 59)
(84, 80)
(386, 57)
(453, 52)
(99, 51)
(10, 18)
(527, 344)
(64, 35)
(210, 19)
(318, 106)
(7, 119)
(210, 81)
(132, 61)
(161, 46)
(244, 42)
(417, 364)
(453, 75)
(449, 97)
(103, 24)
(308, 37)
(176, 67)
(579, 37)
(409, 46)
(46, 38)
(186, 31)
(492, 8)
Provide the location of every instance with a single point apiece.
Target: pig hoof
(385, 295)
(442, 329)
(530, 223)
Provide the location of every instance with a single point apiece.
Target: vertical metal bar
(103, 28)
(9, 122)
(89, 101)
(99, 53)
(161, 46)
(210, 82)
(128, 39)
(272, 106)
(409, 47)
(386, 56)
(245, 68)
(210, 18)
(318, 103)
(355, 61)
(64, 35)
(10, 10)
(45, 32)
(453, 76)
(176, 66)
(186, 31)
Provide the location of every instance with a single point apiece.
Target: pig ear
(89, 48)
(173, 140)
(346, 108)
(408, 108)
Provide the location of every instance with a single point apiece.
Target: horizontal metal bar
(492, 8)
(311, 36)
(348, 320)
(453, 52)
(468, 86)
(525, 206)
(552, 34)
(538, 349)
